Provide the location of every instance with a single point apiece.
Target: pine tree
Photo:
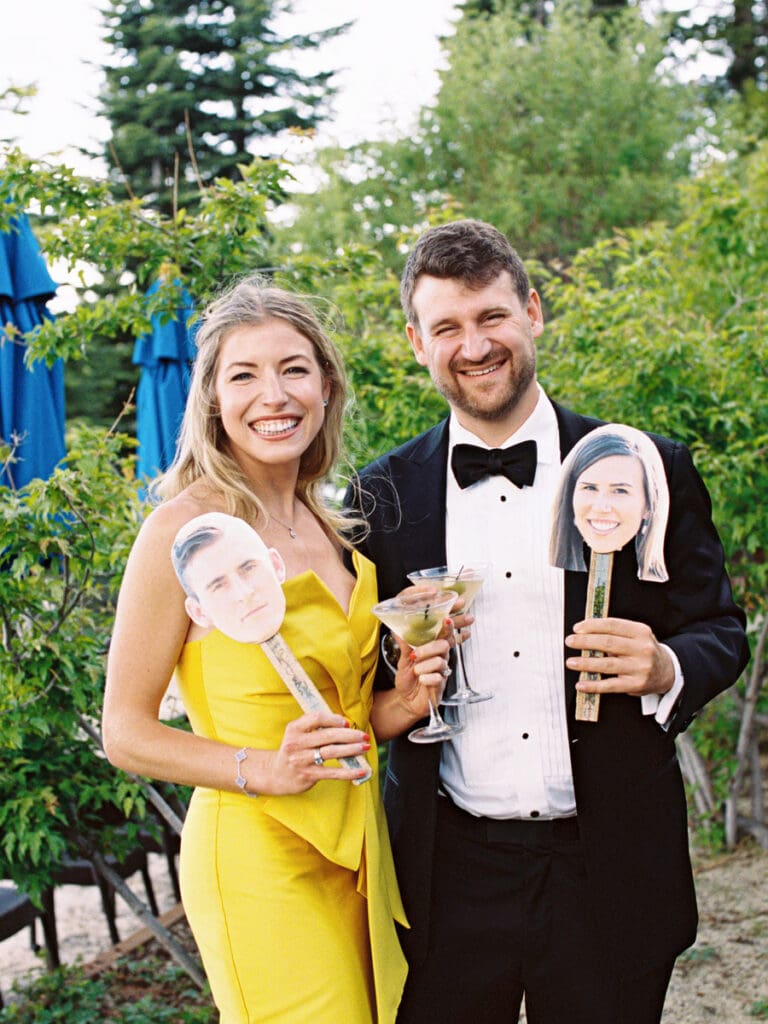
(194, 88)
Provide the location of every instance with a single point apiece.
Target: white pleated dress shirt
(512, 759)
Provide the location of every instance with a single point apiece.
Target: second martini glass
(466, 582)
(418, 618)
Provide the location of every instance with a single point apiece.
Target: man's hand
(633, 661)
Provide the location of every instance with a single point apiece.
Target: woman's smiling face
(270, 391)
(609, 502)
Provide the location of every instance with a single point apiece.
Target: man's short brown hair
(470, 251)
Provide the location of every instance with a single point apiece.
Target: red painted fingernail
(412, 656)
(366, 746)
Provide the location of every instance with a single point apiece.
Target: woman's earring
(325, 402)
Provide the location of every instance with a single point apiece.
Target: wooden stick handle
(310, 699)
(598, 595)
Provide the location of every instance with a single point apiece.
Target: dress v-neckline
(347, 613)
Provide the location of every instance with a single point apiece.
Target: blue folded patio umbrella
(164, 354)
(31, 395)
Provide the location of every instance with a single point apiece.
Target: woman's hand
(420, 676)
(309, 751)
(422, 672)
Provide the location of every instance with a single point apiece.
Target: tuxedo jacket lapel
(420, 480)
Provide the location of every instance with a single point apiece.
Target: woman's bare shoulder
(167, 518)
(158, 531)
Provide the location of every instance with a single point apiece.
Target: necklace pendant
(292, 532)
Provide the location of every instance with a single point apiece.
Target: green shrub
(146, 991)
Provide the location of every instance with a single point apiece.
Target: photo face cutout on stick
(609, 504)
(612, 490)
(232, 579)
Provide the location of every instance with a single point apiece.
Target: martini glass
(466, 581)
(418, 618)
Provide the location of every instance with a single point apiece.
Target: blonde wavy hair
(202, 448)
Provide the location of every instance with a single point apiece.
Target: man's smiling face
(478, 345)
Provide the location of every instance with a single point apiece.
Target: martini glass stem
(462, 686)
(435, 720)
(463, 694)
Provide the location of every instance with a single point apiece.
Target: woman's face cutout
(609, 503)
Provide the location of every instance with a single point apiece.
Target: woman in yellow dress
(287, 876)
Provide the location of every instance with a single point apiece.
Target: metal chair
(17, 911)
(167, 843)
(82, 872)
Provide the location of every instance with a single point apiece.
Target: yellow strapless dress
(292, 899)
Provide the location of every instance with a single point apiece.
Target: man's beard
(523, 372)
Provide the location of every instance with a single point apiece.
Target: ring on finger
(318, 758)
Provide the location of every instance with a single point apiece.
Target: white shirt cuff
(660, 704)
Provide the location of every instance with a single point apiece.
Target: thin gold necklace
(290, 529)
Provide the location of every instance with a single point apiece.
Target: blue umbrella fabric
(31, 396)
(164, 355)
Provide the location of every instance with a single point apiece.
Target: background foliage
(65, 542)
(556, 132)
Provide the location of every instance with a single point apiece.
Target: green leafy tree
(737, 90)
(193, 87)
(128, 244)
(737, 32)
(556, 133)
(537, 10)
(191, 92)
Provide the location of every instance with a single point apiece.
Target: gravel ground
(722, 979)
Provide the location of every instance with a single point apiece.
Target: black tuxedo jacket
(629, 790)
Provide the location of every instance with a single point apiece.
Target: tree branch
(745, 736)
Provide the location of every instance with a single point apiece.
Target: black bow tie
(518, 463)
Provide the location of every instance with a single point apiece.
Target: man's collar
(541, 427)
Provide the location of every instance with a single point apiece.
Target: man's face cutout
(234, 579)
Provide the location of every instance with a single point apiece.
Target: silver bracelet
(240, 756)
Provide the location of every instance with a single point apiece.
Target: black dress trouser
(511, 918)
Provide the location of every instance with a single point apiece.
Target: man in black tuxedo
(538, 856)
